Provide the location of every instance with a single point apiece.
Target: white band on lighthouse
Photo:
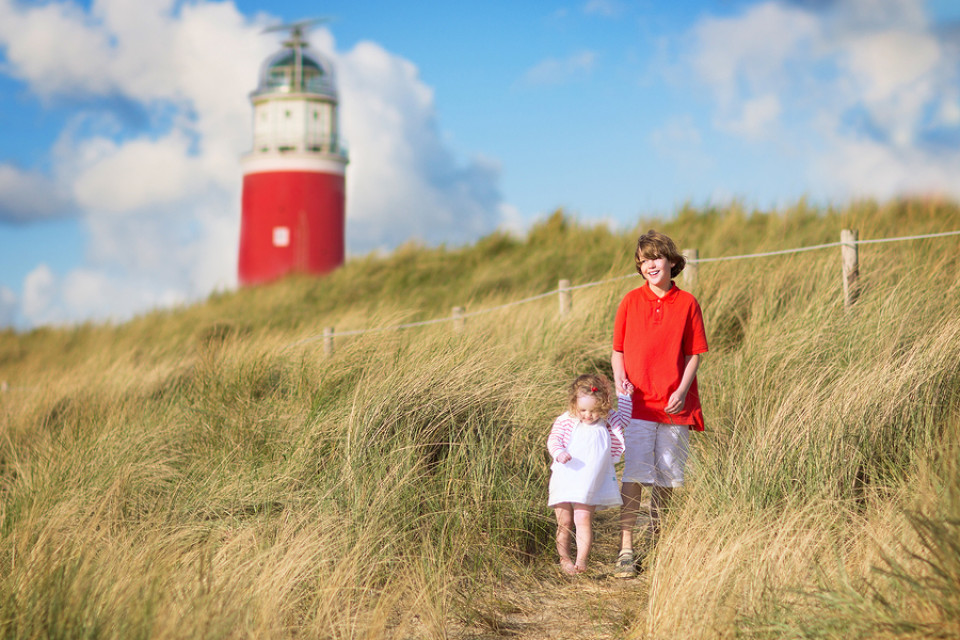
(291, 161)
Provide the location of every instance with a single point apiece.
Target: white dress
(588, 477)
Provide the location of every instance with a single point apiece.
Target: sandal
(625, 565)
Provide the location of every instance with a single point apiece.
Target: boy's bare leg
(659, 499)
(629, 512)
(565, 527)
(583, 519)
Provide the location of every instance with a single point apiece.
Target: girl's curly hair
(595, 385)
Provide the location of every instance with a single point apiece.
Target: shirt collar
(650, 296)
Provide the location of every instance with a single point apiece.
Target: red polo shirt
(655, 335)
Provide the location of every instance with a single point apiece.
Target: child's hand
(627, 387)
(676, 402)
(563, 457)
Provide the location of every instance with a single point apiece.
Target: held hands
(563, 457)
(624, 387)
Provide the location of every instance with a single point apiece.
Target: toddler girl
(584, 444)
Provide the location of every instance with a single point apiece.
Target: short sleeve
(620, 326)
(694, 333)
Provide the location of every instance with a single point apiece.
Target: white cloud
(678, 131)
(948, 115)
(897, 75)
(758, 117)
(94, 293)
(886, 62)
(553, 71)
(8, 307)
(39, 295)
(27, 195)
(156, 204)
(605, 8)
(89, 293)
(56, 47)
(680, 140)
(751, 52)
(865, 88)
(160, 199)
(513, 221)
(153, 173)
(403, 181)
(866, 168)
(872, 15)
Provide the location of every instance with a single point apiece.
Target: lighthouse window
(279, 79)
(281, 236)
(288, 114)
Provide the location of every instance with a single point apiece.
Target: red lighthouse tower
(293, 179)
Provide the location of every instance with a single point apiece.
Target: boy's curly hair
(591, 384)
(653, 245)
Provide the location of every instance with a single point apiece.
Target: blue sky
(123, 122)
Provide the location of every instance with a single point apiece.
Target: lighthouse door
(301, 258)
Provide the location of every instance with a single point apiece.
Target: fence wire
(765, 254)
(6, 387)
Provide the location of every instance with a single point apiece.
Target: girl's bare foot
(568, 567)
(580, 568)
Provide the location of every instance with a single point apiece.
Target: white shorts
(655, 453)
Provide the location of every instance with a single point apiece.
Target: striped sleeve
(616, 422)
(621, 415)
(560, 435)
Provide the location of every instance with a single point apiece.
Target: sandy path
(593, 605)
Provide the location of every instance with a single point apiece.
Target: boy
(658, 336)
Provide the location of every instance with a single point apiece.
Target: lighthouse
(292, 216)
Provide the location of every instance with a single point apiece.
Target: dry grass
(199, 473)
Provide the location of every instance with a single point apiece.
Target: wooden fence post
(458, 320)
(328, 341)
(566, 297)
(691, 272)
(851, 265)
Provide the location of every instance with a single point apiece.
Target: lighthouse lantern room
(293, 178)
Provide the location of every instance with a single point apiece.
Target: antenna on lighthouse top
(296, 30)
(297, 43)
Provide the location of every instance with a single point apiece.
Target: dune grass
(202, 473)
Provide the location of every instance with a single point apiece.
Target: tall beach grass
(203, 473)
